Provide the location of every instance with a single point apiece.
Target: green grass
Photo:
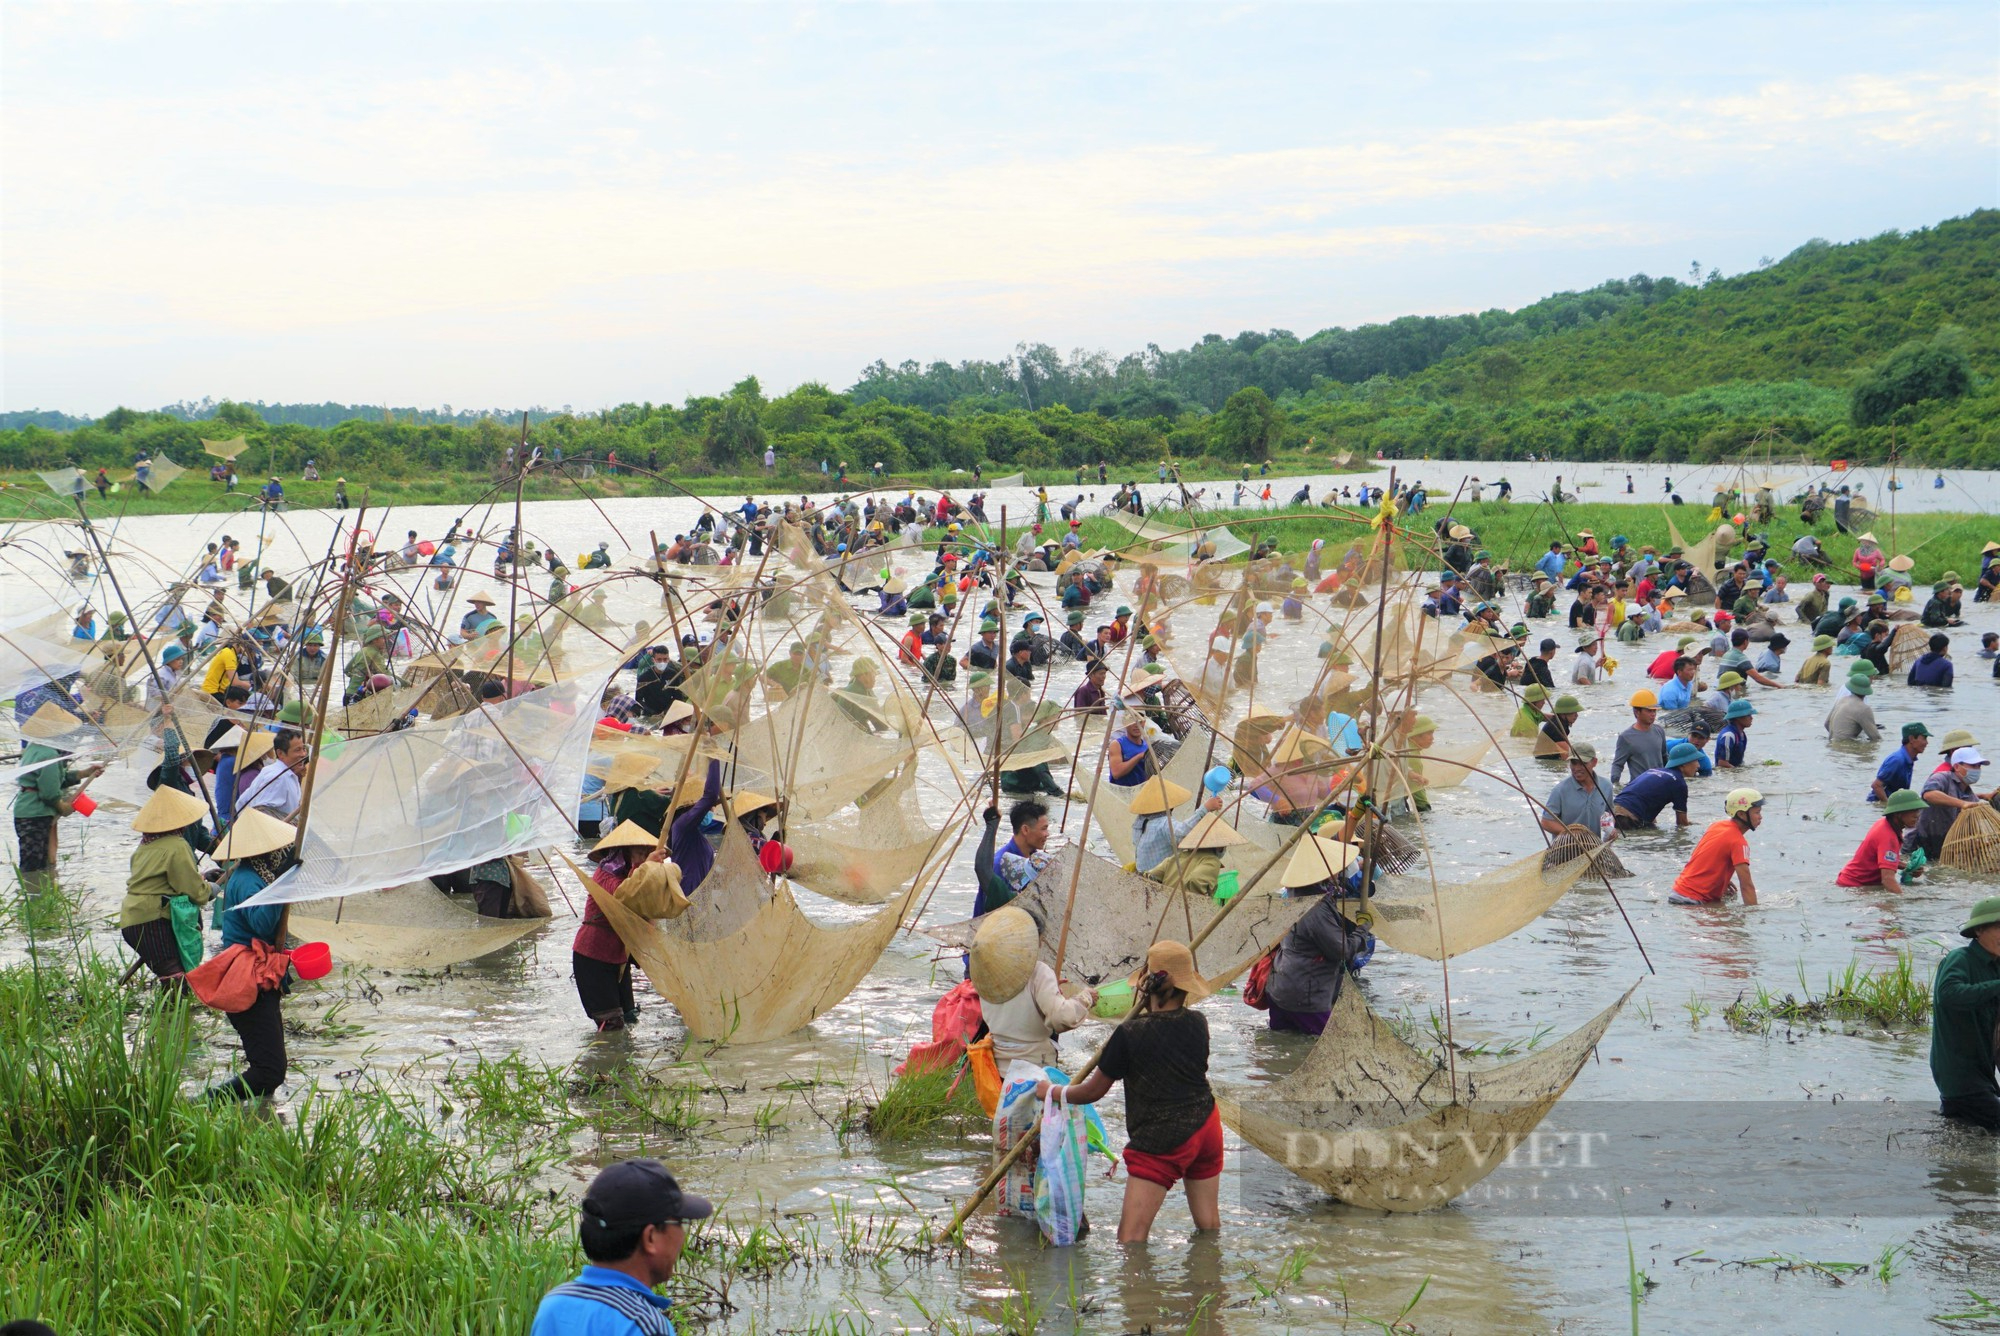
(916, 1104)
(1896, 997)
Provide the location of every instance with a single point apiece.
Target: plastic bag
(184, 916)
(1059, 1182)
(1014, 1117)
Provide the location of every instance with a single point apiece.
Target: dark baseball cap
(640, 1192)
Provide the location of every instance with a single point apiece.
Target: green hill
(1849, 350)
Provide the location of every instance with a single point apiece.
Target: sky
(588, 204)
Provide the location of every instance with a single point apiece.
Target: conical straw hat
(1158, 794)
(256, 749)
(1003, 954)
(1212, 832)
(1295, 743)
(1318, 859)
(627, 835)
(168, 809)
(749, 800)
(1902, 563)
(49, 722)
(255, 832)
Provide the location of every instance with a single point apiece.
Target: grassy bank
(128, 1206)
(24, 495)
(1519, 532)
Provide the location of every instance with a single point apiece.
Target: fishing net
(409, 927)
(1119, 914)
(159, 471)
(1377, 1124)
(1973, 843)
(445, 794)
(1907, 645)
(863, 855)
(228, 449)
(63, 482)
(1582, 842)
(1442, 919)
(1011, 480)
(812, 747)
(776, 972)
(375, 713)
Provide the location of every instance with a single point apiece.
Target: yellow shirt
(221, 671)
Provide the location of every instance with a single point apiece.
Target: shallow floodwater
(1722, 1159)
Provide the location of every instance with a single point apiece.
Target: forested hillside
(1841, 350)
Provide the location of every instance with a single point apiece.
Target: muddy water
(1732, 1169)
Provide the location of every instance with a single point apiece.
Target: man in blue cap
(634, 1225)
(1640, 804)
(1733, 741)
(1448, 594)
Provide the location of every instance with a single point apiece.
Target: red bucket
(313, 960)
(83, 804)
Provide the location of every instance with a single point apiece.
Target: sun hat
(1955, 738)
(1741, 800)
(1158, 794)
(1822, 643)
(255, 748)
(1645, 699)
(1003, 954)
(626, 835)
(1985, 912)
(254, 832)
(1568, 705)
(744, 801)
(1681, 754)
(1317, 860)
(1534, 691)
(1901, 563)
(1868, 537)
(1739, 709)
(168, 809)
(1583, 751)
(1729, 679)
(1587, 642)
(1174, 960)
(1211, 832)
(1420, 726)
(1904, 800)
(1867, 668)
(1859, 685)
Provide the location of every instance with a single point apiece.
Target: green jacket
(1965, 1013)
(160, 869)
(43, 788)
(1193, 870)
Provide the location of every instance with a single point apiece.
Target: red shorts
(1199, 1157)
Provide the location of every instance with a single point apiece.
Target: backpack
(1256, 987)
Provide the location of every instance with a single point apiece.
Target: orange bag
(985, 1074)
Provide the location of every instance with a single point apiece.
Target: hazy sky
(586, 204)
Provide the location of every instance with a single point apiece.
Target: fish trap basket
(1973, 844)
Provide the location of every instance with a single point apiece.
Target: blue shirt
(1895, 772)
(1653, 791)
(1676, 694)
(240, 925)
(1730, 745)
(626, 1307)
(1931, 670)
(1138, 774)
(1551, 565)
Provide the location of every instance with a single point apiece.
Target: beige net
(816, 751)
(1907, 645)
(1973, 843)
(1376, 1124)
(228, 449)
(772, 975)
(1119, 914)
(409, 927)
(863, 855)
(1445, 919)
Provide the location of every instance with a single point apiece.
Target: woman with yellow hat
(1312, 959)
(1160, 1052)
(1020, 998)
(1196, 863)
(633, 867)
(255, 851)
(163, 868)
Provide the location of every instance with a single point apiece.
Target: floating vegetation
(1891, 998)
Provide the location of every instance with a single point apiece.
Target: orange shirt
(1716, 857)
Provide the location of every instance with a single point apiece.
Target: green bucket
(1226, 887)
(1114, 999)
